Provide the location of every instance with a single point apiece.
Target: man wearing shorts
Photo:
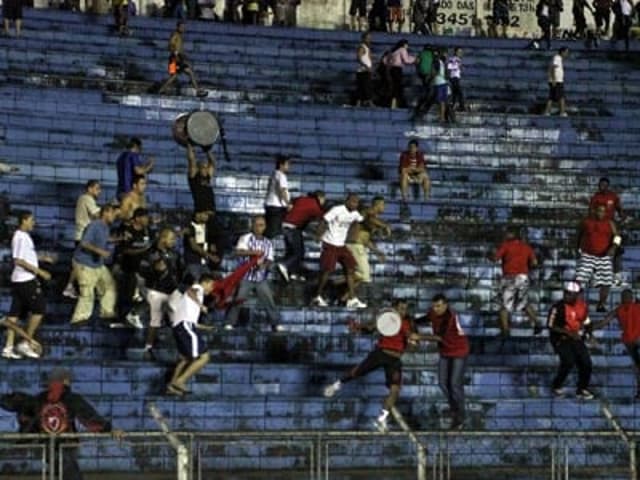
(178, 62)
(191, 346)
(12, 12)
(358, 14)
(333, 232)
(597, 241)
(395, 14)
(162, 271)
(26, 292)
(517, 258)
(556, 82)
(413, 170)
(387, 355)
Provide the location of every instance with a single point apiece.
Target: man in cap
(566, 318)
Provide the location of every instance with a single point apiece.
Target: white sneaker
(8, 352)
(584, 394)
(283, 271)
(228, 327)
(298, 278)
(355, 303)
(133, 319)
(331, 390)
(381, 424)
(319, 302)
(558, 392)
(70, 291)
(25, 349)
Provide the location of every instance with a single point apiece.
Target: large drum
(388, 322)
(199, 127)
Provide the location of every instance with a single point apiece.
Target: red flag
(224, 289)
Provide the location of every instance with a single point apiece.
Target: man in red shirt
(597, 240)
(611, 202)
(628, 314)
(303, 211)
(413, 170)
(517, 258)
(387, 355)
(609, 199)
(453, 345)
(566, 319)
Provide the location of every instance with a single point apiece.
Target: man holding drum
(397, 333)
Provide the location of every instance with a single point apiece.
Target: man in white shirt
(26, 293)
(191, 346)
(277, 201)
(454, 67)
(87, 209)
(333, 232)
(255, 280)
(556, 82)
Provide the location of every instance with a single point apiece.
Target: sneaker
(601, 308)
(332, 389)
(133, 319)
(319, 302)
(565, 114)
(584, 394)
(283, 271)
(70, 291)
(381, 424)
(298, 278)
(25, 349)
(201, 92)
(355, 303)
(9, 352)
(278, 328)
(537, 329)
(558, 392)
(228, 327)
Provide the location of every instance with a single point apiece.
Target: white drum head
(388, 322)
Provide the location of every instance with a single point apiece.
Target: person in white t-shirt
(277, 202)
(333, 233)
(191, 346)
(555, 74)
(26, 292)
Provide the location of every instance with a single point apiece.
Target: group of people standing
(383, 83)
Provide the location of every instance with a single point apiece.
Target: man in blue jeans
(454, 350)
(303, 211)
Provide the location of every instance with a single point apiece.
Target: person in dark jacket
(55, 411)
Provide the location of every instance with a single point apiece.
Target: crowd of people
(137, 270)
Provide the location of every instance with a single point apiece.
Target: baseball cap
(573, 287)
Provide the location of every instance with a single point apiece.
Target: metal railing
(436, 455)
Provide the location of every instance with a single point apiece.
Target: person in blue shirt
(92, 273)
(130, 164)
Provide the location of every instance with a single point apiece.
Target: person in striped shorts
(597, 240)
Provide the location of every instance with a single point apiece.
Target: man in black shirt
(199, 255)
(135, 244)
(200, 175)
(162, 270)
